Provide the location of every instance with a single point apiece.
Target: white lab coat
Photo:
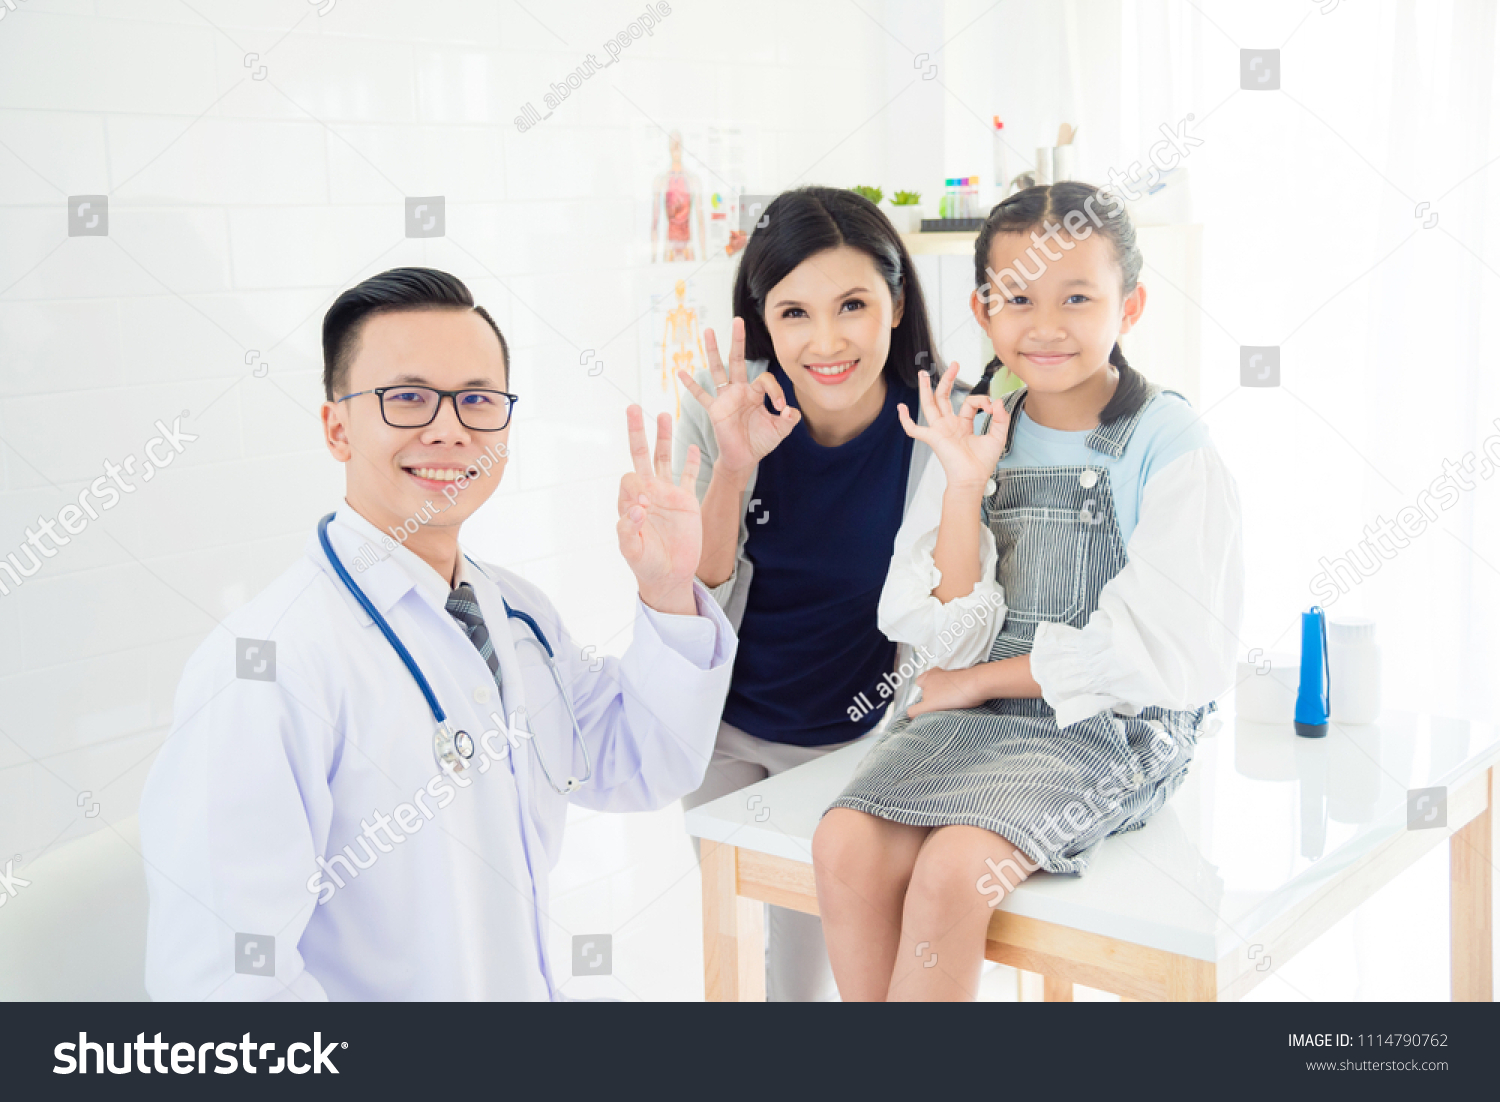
(260, 779)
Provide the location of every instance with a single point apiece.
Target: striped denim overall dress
(1006, 766)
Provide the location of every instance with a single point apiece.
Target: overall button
(482, 695)
(1088, 479)
(989, 487)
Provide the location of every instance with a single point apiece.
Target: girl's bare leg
(863, 864)
(949, 901)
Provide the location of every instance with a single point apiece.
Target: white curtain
(1349, 219)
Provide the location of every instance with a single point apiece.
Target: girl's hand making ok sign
(968, 460)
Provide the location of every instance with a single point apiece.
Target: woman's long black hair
(1053, 203)
(809, 220)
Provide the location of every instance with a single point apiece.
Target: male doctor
(305, 835)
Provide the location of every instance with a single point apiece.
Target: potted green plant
(873, 194)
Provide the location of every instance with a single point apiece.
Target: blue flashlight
(1311, 716)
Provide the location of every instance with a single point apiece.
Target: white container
(1043, 172)
(907, 219)
(1353, 671)
(1064, 163)
(1267, 688)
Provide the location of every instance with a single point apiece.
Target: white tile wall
(238, 208)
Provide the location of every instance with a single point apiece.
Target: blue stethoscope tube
(454, 749)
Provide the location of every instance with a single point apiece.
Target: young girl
(1097, 509)
(802, 499)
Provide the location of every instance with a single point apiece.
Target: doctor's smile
(437, 478)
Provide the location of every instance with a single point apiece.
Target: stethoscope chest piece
(454, 749)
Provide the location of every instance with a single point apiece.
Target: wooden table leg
(1470, 851)
(1032, 987)
(1055, 990)
(1192, 981)
(734, 945)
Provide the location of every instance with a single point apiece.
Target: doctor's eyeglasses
(414, 407)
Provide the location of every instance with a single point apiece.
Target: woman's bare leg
(961, 874)
(863, 864)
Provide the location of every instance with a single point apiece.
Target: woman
(802, 500)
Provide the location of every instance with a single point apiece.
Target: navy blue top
(822, 530)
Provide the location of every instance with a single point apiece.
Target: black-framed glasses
(414, 407)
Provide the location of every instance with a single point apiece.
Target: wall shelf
(1165, 346)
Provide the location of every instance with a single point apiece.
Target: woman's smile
(829, 373)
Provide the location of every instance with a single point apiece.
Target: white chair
(78, 930)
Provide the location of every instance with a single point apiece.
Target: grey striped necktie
(463, 606)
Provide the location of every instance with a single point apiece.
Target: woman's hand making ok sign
(745, 430)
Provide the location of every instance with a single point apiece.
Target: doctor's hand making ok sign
(660, 526)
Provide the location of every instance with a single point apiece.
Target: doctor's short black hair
(386, 293)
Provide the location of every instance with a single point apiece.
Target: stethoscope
(455, 749)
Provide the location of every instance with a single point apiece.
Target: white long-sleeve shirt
(297, 797)
(1166, 631)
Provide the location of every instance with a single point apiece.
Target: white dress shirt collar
(416, 568)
